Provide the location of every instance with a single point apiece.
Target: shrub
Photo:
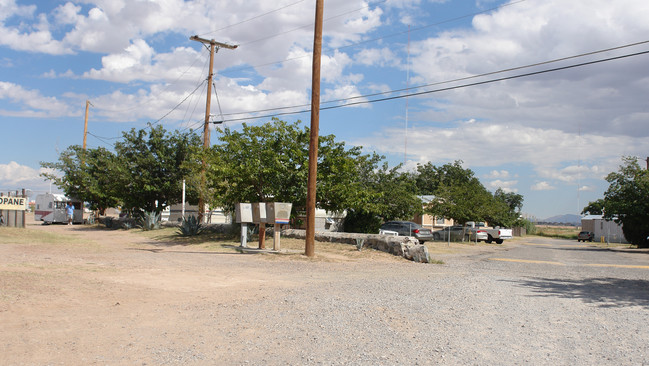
(150, 220)
(190, 226)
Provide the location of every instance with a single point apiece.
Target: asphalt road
(569, 258)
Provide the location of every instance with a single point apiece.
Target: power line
(253, 18)
(152, 97)
(452, 81)
(103, 139)
(444, 89)
(178, 105)
(332, 50)
(310, 25)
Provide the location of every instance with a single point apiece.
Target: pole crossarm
(213, 42)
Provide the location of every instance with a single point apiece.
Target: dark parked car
(407, 228)
(455, 232)
(585, 236)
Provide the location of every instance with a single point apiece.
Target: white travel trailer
(50, 208)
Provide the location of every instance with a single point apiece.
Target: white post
(244, 235)
(276, 239)
(183, 209)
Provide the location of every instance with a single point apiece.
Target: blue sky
(551, 136)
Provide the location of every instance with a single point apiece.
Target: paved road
(569, 259)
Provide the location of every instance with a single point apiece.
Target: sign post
(278, 213)
(259, 217)
(244, 216)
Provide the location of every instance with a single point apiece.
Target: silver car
(456, 233)
(407, 228)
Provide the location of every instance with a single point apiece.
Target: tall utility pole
(214, 47)
(309, 245)
(85, 126)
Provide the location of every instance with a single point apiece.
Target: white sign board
(13, 203)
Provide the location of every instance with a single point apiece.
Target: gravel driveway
(124, 301)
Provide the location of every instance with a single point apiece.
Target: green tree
(391, 196)
(594, 208)
(459, 194)
(269, 162)
(152, 166)
(625, 201)
(86, 175)
(505, 208)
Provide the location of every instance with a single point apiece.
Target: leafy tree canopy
(594, 208)
(269, 162)
(460, 196)
(625, 201)
(87, 175)
(144, 173)
(153, 164)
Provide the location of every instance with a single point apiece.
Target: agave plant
(190, 226)
(150, 220)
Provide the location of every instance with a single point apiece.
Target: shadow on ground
(603, 292)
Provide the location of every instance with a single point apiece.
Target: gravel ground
(135, 304)
(457, 314)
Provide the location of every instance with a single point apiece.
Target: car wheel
(578, 240)
(499, 241)
(422, 242)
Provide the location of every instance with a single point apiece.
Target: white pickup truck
(479, 232)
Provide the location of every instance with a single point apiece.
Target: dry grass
(11, 235)
(290, 248)
(562, 232)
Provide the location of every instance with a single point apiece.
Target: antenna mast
(405, 144)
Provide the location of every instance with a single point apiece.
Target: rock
(403, 246)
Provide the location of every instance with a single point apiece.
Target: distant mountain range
(564, 219)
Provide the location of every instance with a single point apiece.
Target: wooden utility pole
(214, 47)
(309, 245)
(85, 126)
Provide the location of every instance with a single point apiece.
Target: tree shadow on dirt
(604, 292)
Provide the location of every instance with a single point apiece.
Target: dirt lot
(81, 295)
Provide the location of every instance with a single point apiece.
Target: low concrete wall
(403, 246)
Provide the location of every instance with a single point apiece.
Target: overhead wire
(152, 97)
(253, 18)
(299, 57)
(104, 139)
(441, 89)
(178, 105)
(333, 50)
(205, 65)
(453, 80)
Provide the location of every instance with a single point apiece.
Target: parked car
(455, 232)
(406, 228)
(585, 236)
(488, 234)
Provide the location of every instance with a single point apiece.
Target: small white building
(605, 231)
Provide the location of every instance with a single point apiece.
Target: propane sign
(13, 203)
